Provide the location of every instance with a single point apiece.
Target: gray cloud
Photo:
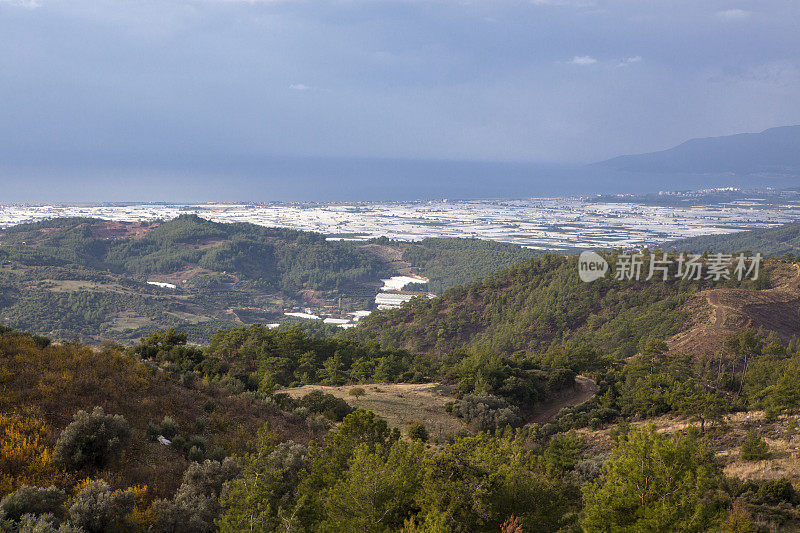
(582, 60)
(733, 14)
(99, 80)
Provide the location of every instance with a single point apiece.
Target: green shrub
(776, 491)
(754, 448)
(487, 412)
(417, 431)
(97, 509)
(44, 523)
(357, 392)
(196, 505)
(564, 451)
(326, 404)
(33, 500)
(168, 428)
(195, 454)
(90, 439)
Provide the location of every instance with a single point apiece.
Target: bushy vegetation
(33, 500)
(25, 457)
(195, 506)
(52, 433)
(486, 412)
(417, 431)
(90, 439)
(97, 508)
(364, 478)
(754, 447)
(263, 360)
(655, 483)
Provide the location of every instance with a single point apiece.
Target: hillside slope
(541, 306)
(530, 307)
(719, 313)
(50, 383)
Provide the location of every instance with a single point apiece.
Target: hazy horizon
(343, 180)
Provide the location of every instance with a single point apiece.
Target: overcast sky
(491, 80)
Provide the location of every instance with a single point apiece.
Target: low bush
(417, 431)
(754, 447)
(33, 500)
(487, 412)
(325, 404)
(90, 439)
(98, 509)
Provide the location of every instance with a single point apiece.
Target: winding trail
(583, 391)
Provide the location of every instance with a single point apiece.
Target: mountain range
(775, 152)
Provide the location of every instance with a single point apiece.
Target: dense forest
(274, 257)
(451, 262)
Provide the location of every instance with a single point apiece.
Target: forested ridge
(87, 277)
(280, 258)
(541, 306)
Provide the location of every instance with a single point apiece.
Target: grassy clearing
(399, 403)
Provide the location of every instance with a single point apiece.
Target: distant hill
(769, 242)
(775, 151)
(93, 278)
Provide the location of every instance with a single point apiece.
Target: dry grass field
(398, 403)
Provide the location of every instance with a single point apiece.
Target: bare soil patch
(718, 313)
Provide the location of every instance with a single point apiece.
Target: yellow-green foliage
(58, 380)
(69, 375)
(24, 457)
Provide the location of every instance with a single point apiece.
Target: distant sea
(243, 179)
